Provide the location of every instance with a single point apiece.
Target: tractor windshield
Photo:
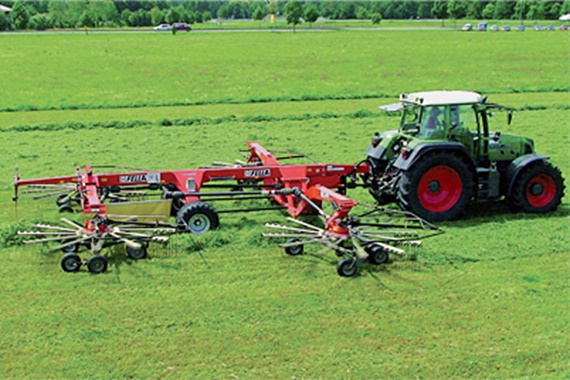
(432, 125)
(410, 119)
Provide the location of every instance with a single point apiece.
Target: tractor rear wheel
(437, 187)
(197, 218)
(538, 188)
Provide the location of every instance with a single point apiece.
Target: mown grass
(125, 70)
(488, 299)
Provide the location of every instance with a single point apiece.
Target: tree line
(45, 14)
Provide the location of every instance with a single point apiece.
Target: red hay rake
(112, 215)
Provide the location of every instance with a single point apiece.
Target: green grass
(487, 299)
(122, 70)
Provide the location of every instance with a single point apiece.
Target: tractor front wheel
(437, 187)
(197, 218)
(538, 188)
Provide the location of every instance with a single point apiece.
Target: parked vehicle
(494, 28)
(506, 28)
(520, 28)
(163, 27)
(467, 27)
(563, 27)
(181, 26)
(482, 27)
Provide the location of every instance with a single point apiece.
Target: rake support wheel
(437, 187)
(347, 267)
(97, 264)
(70, 262)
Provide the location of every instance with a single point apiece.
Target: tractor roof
(440, 98)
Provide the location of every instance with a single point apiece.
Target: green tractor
(444, 156)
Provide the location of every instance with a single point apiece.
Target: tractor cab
(462, 117)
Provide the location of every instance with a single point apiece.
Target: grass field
(488, 299)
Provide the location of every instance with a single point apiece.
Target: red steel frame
(315, 181)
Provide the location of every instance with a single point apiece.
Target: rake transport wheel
(538, 188)
(136, 253)
(197, 218)
(377, 254)
(347, 267)
(70, 262)
(437, 187)
(97, 264)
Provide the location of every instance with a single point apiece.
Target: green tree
(273, 7)
(86, 20)
(488, 11)
(258, 15)
(4, 22)
(223, 12)
(20, 15)
(40, 21)
(311, 14)
(293, 13)
(439, 10)
(376, 18)
(565, 8)
(503, 10)
(362, 13)
(206, 16)
(156, 15)
(474, 9)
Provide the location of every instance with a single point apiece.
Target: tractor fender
(423, 148)
(518, 164)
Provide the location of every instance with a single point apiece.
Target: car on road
(494, 28)
(506, 28)
(563, 27)
(163, 27)
(520, 28)
(467, 27)
(482, 27)
(181, 26)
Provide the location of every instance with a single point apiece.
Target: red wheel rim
(440, 188)
(541, 190)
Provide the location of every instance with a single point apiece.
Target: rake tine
(65, 220)
(282, 227)
(70, 243)
(305, 224)
(48, 227)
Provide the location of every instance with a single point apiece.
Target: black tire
(70, 248)
(136, 253)
(377, 255)
(66, 208)
(294, 250)
(197, 218)
(70, 262)
(538, 188)
(97, 264)
(347, 267)
(437, 187)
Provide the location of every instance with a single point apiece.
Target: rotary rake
(99, 233)
(134, 208)
(370, 236)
